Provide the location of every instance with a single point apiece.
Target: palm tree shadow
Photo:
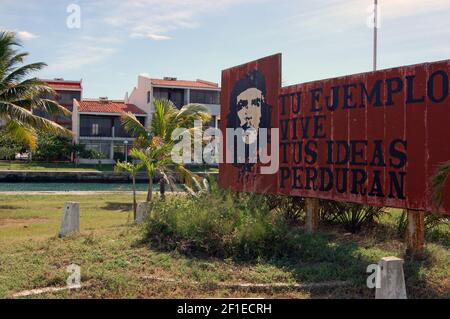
(114, 206)
(317, 258)
(308, 258)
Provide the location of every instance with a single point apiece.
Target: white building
(180, 92)
(96, 124)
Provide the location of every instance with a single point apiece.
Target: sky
(117, 40)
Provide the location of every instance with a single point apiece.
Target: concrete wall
(41, 176)
(138, 96)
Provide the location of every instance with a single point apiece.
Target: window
(148, 96)
(98, 146)
(205, 97)
(66, 97)
(96, 125)
(161, 94)
(95, 129)
(176, 96)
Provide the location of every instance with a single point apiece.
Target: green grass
(41, 166)
(115, 261)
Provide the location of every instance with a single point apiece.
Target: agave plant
(351, 215)
(200, 189)
(19, 95)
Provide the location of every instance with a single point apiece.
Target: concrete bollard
(70, 222)
(141, 212)
(392, 279)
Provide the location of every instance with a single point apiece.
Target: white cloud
(158, 37)
(82, 52)
(23, 35)
(345, 15)
(155, 37)
(154, 19)
(146, 19)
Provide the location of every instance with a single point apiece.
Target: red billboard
(374, 138)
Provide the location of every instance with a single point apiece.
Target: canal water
(66, 187)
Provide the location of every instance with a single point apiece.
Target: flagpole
(375, 35)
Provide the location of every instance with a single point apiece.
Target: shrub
(292, 208)
(52, 147)
(351, 215)
(431, 221)
(221, 224)
(10, 146)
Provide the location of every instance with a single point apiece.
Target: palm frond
(439, 181)
(23, 71)
(131, 168)
(29, 88)
(162, 119)
(146, 161)
(132, 125)
(187, 177)
(21, 132)
(193, 112)
(25, 117)
(50, 107)
(19, 97)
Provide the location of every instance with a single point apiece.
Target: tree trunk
(150, 189)
(162, 188)
(134, 197)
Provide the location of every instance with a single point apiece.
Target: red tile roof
(185, 83)
(62, 84)
(99, 106)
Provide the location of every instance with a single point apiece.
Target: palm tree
(439, 181)
(20, 96)
(165, 120)
(133, 169)
(155, 158)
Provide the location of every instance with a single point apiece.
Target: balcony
(102, 126)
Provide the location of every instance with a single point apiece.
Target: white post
(70, 222)
(391, 280)
(141, 212)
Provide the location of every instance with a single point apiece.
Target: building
(180, 92)
(96, 124)
(66, 93)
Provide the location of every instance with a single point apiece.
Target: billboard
(374, 138)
